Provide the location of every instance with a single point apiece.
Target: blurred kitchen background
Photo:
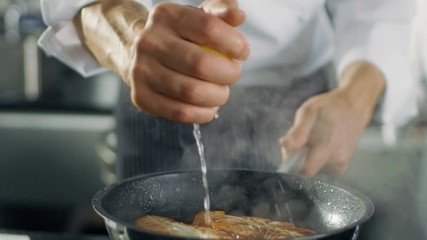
(57, 145)
(55, 131)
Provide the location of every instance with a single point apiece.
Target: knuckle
(160, 11)
(134, 71)
(308, 108)
(137, 100)
(308, 171)
(137, 73)
(199, 62)
(210, 25)
(288, 144)
(145, 43)
(131, 71)
(339, 158)
(181, 115)
(341, 161)
(226, 95)
(335, 168)
(190, 93)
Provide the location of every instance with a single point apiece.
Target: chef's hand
(329, 125)
(172, 76)
(163, 56)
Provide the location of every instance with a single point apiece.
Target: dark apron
(245, 136)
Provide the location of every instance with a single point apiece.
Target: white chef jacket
(289, 38)
(420, 39)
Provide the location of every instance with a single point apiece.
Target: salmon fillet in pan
(169, 226)
(223, 226)
(251, 227)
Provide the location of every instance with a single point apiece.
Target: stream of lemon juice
(207, 203)
(198, 137)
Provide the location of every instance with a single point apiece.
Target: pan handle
(116, 231)
(356, 232)
(294, 162)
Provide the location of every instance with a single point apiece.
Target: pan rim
(98, 196)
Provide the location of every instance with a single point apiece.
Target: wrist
(117, 23)
(363, 84)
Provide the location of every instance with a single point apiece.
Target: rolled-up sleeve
(60, 39)
(379, 31)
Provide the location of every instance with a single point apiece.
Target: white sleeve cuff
(61, 40)
(57, 12)
(66, 47)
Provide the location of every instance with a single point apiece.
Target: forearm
(363, 84)
(109, 28)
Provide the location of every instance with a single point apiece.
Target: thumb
(227, 10)
(299, 134)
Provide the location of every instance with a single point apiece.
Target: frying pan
(333, 211)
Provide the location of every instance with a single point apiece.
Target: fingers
(227, 10)
(175, 39)
(317, 157)
(299, 134)
(329, 150)
(208, 30)
(190, 59)
(184, 88)
(172, 75)
(157, 104)
(321, 159)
